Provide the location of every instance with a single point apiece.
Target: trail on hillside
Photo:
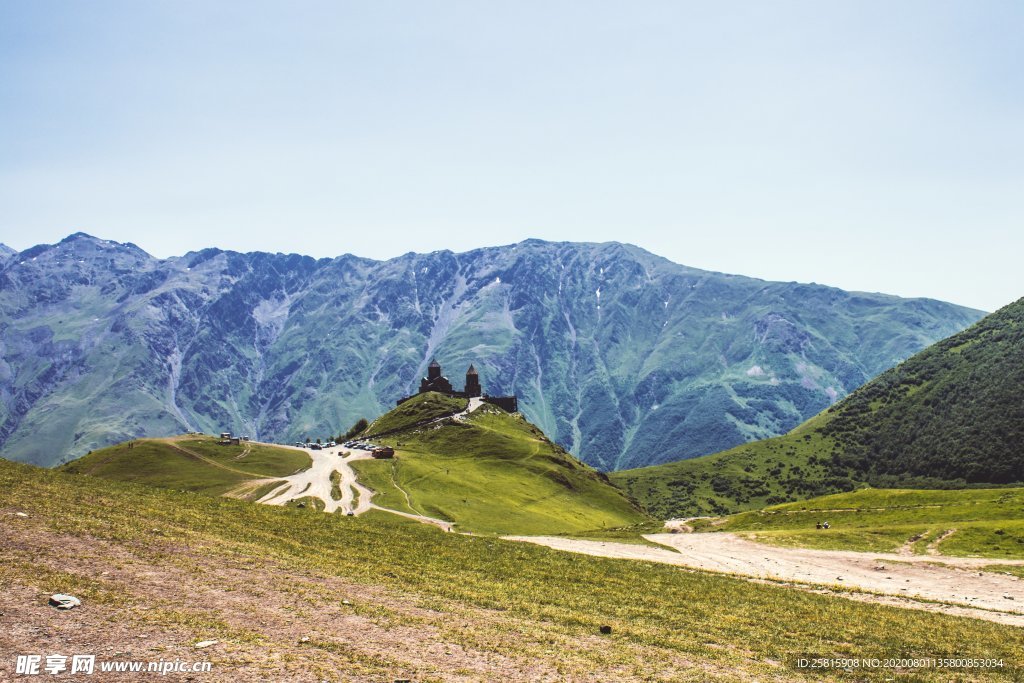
(209, 461)
(356, 499)
(440, 523)
(919, 582)
(316, 482)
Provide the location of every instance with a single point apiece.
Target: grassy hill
(376, 598)
(747, 477)
(951, 416)
(975, 522)
(191, 463)
(490, 472)
(419, 408)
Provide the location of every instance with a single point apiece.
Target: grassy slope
(421, 407)
(949, 417)
(744, 478)
(189, 463)
(988, 522)
(494, 473)
(473, 592)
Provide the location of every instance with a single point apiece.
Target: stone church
(435, 381)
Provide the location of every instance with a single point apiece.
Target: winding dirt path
(442, 524)
(920, 582)
(316, 482)
(933, 548)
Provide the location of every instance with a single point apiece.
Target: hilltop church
(435, 381)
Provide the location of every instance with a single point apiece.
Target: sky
(874, 146)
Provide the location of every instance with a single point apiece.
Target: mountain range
(623, 357)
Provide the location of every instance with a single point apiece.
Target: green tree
(360, 425)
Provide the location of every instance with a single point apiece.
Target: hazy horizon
(862, 145)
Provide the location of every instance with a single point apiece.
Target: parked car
(299, 444)
(315, 446)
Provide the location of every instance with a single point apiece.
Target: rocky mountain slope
(623, 357)
(950, 416)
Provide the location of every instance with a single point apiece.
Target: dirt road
(912, 581)
(316, 482)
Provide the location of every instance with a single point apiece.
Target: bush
(360, 425)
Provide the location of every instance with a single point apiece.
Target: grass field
(494, 473)
(426, 406)
(189, 463)
(987, 522)
(747, 477)
(472, 608)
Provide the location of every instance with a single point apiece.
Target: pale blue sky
(867, 145)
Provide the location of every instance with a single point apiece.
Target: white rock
(61, 601)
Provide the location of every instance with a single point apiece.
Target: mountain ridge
(621, 355)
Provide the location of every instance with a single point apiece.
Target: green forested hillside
(950, 416)
(953, 412)
(747, 477)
